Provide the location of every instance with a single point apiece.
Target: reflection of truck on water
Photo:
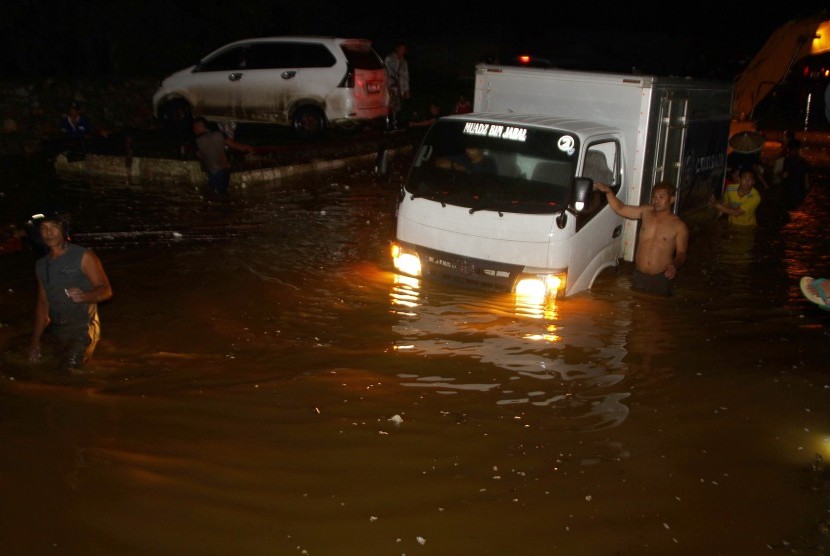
(525, 218)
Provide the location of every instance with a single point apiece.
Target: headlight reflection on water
(405, 294)
(510, 346)
(540, 308)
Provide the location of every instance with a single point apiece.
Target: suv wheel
(309, 122)
(176, 115)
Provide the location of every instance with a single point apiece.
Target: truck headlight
(541, 286)
(405, 261)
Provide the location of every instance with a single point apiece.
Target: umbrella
(747, 142)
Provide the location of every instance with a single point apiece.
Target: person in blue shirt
(80, 136)
(76, 125)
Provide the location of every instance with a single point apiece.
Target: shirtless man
(663, 238)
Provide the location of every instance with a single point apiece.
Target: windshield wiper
(474, 210)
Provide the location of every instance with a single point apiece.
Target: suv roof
(329, 40)
(359, 52)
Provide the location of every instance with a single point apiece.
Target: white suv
(308, 83)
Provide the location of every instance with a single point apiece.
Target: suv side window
(231, 59)
(311, 55)
(272, 55)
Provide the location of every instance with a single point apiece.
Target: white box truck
(503, 198)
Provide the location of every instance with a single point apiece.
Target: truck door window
(597, 165)
(601, 166)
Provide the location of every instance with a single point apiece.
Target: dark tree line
(156, 37)
(139, 37)
(95, 37)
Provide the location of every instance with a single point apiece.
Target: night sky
(156, 37)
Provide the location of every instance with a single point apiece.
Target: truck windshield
(493, 166)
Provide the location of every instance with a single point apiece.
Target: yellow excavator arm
(790, 43)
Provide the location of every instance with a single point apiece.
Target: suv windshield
(490, 166)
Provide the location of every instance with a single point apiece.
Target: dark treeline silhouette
(156, 37)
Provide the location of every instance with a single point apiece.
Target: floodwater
(265, 385)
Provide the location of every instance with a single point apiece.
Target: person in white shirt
(397, 70)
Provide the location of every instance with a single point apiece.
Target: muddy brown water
(265, 385)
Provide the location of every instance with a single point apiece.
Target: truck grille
(463, 271)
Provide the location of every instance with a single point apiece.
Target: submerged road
(267, 385)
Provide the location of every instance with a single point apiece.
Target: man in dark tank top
(71, 283)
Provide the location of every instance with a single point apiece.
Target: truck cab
(514, 192)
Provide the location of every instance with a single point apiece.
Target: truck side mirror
(581, 194)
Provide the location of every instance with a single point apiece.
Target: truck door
(597, 241)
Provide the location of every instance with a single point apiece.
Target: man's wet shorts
(654, 284)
